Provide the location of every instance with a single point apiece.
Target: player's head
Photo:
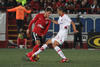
(48, 11)
(61, 10)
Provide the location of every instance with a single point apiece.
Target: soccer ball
(36, 58)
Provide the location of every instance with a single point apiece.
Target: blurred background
(84, 12)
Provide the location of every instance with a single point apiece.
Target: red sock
(29, 54)
(35, 48)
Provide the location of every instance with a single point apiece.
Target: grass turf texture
(49, 58)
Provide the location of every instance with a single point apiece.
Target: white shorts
(60, 37)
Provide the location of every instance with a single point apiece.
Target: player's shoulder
(65, 15)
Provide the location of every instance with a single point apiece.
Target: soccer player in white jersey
(64, 22)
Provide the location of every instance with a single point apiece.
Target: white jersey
(64, 22)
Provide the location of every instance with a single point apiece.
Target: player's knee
(48, 42)
(55, 44)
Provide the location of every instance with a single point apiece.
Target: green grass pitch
(49, 58)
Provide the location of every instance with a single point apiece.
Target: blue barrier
(88, 25)
(97, 25)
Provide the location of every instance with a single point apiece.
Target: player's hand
(28, 31)
(75, 31)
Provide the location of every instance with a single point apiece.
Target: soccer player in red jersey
(40, 29)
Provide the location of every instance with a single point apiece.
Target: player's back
(20, 12)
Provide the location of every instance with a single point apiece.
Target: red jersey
(41, 24)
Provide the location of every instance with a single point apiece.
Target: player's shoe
(64, 60)
(35, 57)
(28, 56)
(32, 60)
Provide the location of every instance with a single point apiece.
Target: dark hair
(19, 3)
(63, 9)
(49, 9)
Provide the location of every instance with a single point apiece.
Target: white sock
(59, 51)
(41, 49)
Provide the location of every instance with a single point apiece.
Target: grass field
(49, 58)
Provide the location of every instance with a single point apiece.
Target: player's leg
(18, 41)
(22, 24)
(43, 47)
(25, 43)
(42, 39)
(37, 44)
(80, 40)
(75, 40)
(36, 47)
(18, 25)
(34, 56)
(59, 51)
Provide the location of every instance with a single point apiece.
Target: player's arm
(54, 21)
(30, 25)
(12, 10)
(47, 28)
(74, 27)
(27, 11)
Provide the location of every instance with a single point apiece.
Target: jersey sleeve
(27, 11)
(12, 10)
(33, 21)
(68, 19)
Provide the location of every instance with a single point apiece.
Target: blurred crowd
(72, 6)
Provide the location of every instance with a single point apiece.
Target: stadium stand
(72, 6)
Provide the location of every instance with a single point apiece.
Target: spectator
(11, 3)
(69, 6)
(83, 7)
(60, 3)
(41, 4)
(35, 5)
(90, 1)
(22, 39)
(75, 6)
(45, 4)
(94, 7)
(78, 36)
(49, 3)
(20, 11)
(3, 5)
(54, 5)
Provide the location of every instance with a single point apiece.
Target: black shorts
(20, 24)
(37, 37)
